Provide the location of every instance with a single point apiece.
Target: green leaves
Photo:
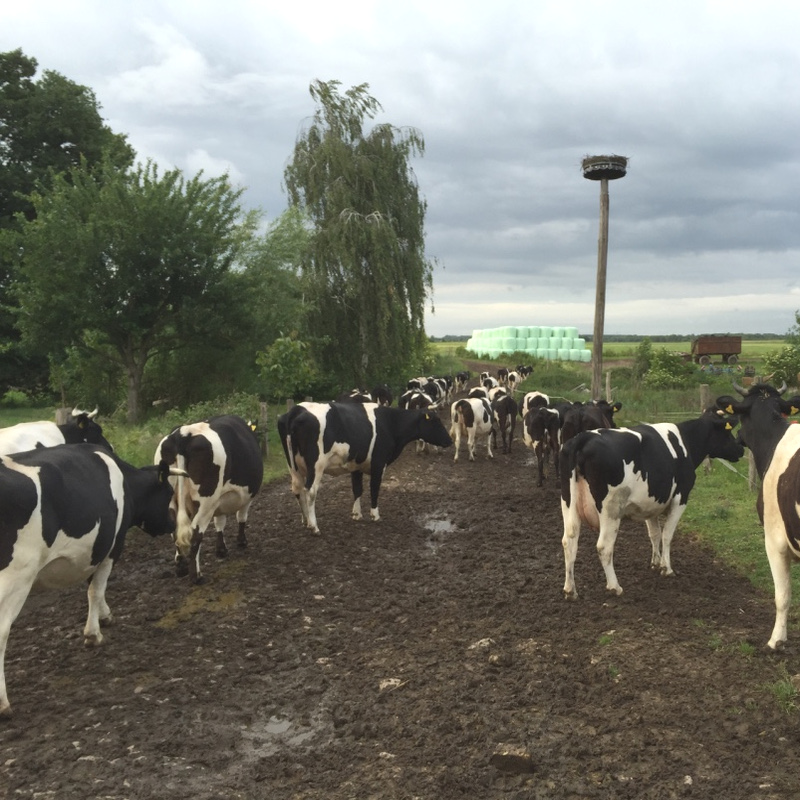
(365, 273)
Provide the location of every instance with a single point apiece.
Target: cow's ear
(728, 426)
(617, 407)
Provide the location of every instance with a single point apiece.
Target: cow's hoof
(616, 590)
(5, 713)
(93, 641)
(573, 595)
(241, 543)
(777, 648)
(181, 570)
(199, 580)
(222, 552)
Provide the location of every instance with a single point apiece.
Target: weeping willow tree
(366, 278)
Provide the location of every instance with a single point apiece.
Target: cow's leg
(609, 527)
(241, 518)
(654, 532)
(569, 541)
(471, 443)
(489, 453)
(14, 590)
(780, 562)
(301, 495)
(357, 481)
(455, 435)
(375, 478)
(538, 450)
(181, 564)
(219, 527)
(195, 573)
(667, 532)
(98, 608)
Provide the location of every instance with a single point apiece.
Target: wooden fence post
(705, 402)
(262, 423)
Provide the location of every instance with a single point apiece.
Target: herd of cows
(67, 501)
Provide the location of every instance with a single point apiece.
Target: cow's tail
(568, 467)
(183, 522)
(457, 418)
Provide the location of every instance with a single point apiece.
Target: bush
(668, 369)
(783, 365)
(16, 398)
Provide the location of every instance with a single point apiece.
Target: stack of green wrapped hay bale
(542, 341)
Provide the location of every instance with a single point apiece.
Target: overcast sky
(702, 97)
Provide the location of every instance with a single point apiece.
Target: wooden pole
(600, 295)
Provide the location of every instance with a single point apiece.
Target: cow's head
(760, 409)
(154, 512)
(86, 429)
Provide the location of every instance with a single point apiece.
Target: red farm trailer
(704, 348)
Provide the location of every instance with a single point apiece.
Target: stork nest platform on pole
(597, 168)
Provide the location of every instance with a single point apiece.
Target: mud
(428, 655)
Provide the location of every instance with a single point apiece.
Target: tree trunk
(134, 371)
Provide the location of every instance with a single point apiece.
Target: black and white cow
(335, 438)
(415, 399)
(462, 380)
(382, 394)
(532, 400)
(224, 470)
(28, 435)
(504, 409)
(587, 417)
(65, 511)
(471, 417)
(640, 473)
(775, 445)
(540, 432)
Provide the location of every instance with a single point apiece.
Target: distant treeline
(632, 337)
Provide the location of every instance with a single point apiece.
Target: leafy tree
(124, 265)
(365, 271)
(784, 364)
(269, 303)
(47, 126)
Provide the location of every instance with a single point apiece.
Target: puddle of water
(439, 528)
(266, 737)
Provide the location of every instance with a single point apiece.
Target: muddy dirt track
(429, 655)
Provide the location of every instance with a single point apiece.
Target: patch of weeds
(715, 641)
(613, 672)
(784, 691)
(605, 639)
(746, 649)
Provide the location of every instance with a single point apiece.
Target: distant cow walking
(471, 417)
(643, 473)
(223, 462)
(335, 438)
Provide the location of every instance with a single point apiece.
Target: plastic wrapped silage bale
(521, 344)
(575, 355)
(534, 332)
(542, 352)
(531, 343)
(566, 341)
(545, 332)
(558, 332)
(552, 354)
(571, 332)
(586, 356)
(563, 353)
(554, 342)
(579, 343)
